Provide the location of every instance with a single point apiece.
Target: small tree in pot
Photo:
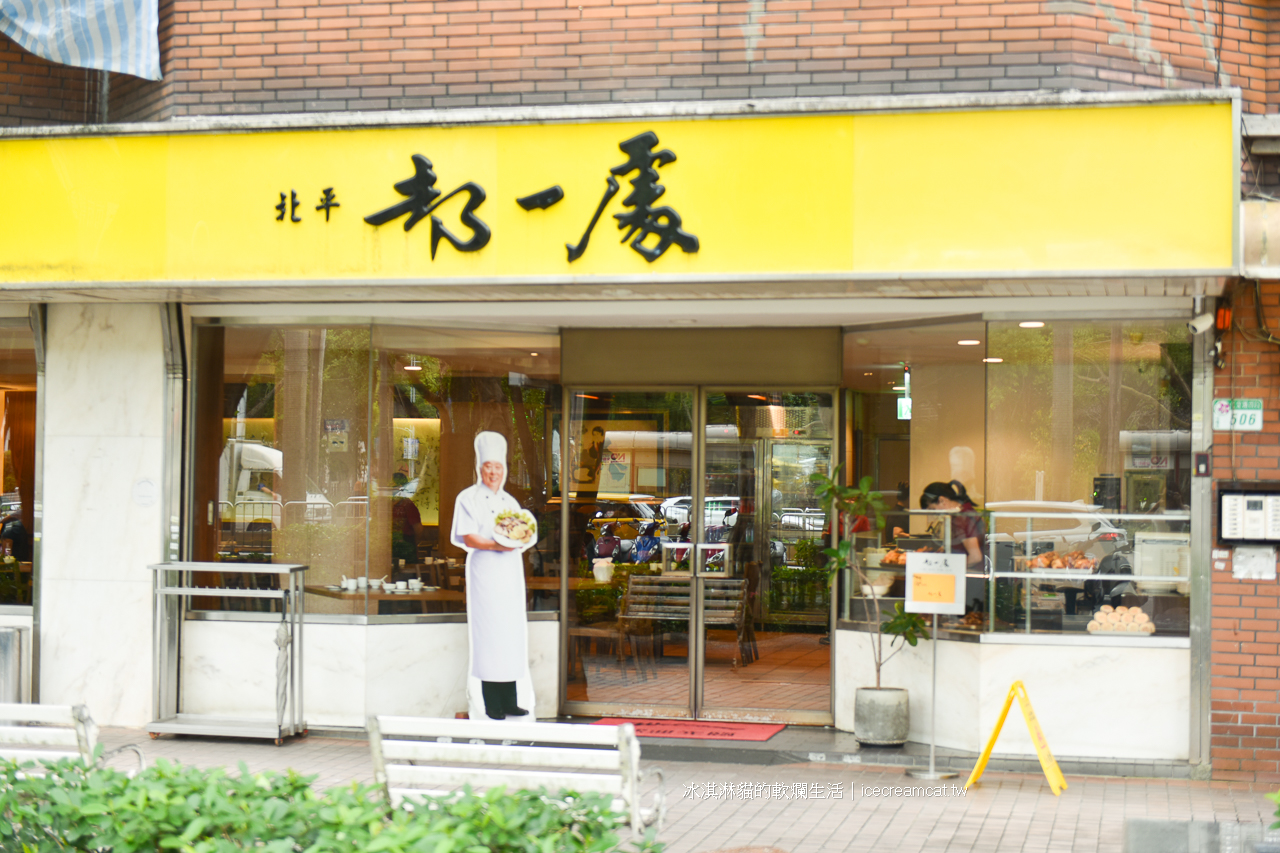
(880, 714)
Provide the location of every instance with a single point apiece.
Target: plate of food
(515, 528)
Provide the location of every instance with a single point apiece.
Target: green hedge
(172, 807)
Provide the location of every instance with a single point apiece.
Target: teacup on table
(376, 583)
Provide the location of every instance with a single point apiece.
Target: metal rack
(174, 586)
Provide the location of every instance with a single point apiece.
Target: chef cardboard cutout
(492, 528)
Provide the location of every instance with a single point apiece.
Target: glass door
(630, 497)
(695, 583)
(765, 604)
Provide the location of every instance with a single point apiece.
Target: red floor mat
(698, 729)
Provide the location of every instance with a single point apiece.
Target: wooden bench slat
(527, 756)
(39, 736)
(60, 715)
(468, 729)
(23, 755)
(402, 775)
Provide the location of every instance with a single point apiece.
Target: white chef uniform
(496, 621)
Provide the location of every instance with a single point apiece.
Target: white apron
(496, 622)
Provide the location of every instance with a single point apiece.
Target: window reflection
(343, 448)
(1072, 441)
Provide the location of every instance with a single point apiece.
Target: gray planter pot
(881, 716)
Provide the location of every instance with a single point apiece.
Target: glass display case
(1047, 568)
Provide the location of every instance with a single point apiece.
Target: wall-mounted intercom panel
(1249, 514)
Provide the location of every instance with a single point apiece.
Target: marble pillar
(102, 523)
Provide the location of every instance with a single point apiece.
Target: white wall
(102, 525)
(1091, 700)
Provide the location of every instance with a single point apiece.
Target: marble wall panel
(351, 671)
(104, 370)
(911, 669)
(96, 648)
(1091, 701)
(229, 669)
(102, 521)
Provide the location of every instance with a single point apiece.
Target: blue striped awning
(109, 35)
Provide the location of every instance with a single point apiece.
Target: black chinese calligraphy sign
(422, 198)
(643, 219)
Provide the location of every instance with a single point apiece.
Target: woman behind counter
(496, 620)
(968, 533)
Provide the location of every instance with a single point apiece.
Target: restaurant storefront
(308, 324)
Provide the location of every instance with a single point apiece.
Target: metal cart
(174, 586)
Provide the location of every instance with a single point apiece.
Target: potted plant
(880, 714)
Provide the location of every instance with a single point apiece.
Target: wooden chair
(653, 599)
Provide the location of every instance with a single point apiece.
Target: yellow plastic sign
(1050, 766)
(936, 589)
(1145, 189)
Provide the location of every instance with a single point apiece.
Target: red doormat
(698, 729)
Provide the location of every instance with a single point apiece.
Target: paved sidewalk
(1006, 812)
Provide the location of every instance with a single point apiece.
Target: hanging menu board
(935, 583)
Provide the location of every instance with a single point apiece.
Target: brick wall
(34, 91)
(250, 56)
(1246, 614)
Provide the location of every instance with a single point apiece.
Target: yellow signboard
(933, 589)
(1144, 189)
(1048, 764)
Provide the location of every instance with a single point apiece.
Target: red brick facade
(268, 56)
(33, 91)
(1245, 723)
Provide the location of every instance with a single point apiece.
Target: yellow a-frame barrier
(1051, 770)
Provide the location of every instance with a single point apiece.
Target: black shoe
(493, 693)
(509, 706)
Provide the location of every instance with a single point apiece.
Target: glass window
(1072, 442)
(344, 448)
(18, 410)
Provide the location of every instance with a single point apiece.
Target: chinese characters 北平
(423, 198)
(289, 204)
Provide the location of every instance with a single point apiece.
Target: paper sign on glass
(935, 583)
(933, 589)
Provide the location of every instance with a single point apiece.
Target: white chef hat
(491, 447)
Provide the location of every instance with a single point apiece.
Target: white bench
(51, 733)
(425, 756)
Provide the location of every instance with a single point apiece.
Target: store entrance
(698, 588)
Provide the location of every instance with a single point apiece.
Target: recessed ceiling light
(413, 363)
(757, 397)
(993, 360)
(899, 387)
(588, 397)
(1031, 324)
(533, 353)
(968, 342)
(868, 373)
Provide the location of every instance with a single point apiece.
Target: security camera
(1200, 324)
